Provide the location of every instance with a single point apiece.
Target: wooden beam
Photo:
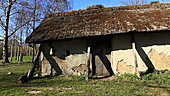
(88, 63)
(28, 76)
(135, 60)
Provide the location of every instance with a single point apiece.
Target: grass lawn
(74, 85)
(26, 59)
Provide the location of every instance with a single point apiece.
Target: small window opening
(51, 51)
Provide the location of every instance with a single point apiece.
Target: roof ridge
(85, 11)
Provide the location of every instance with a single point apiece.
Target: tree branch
(2, 24)
(13, 2)
(18, 28)
(126, 3)
(1, 36)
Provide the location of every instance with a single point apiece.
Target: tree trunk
(21, 50)
(21, 55)
(5, 48)
(26, 45)
(15, 48)
(15, 53)
(35, 5)
(12, 47)
(5, 42)
(18, 53)
(20, 42)
(32, 53)
(29, 51)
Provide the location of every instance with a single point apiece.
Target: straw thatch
(104, 21)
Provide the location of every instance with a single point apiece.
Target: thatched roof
(104, 21)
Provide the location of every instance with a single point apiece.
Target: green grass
(158, 76)
(74, 85)
(15, 62)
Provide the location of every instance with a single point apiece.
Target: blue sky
(82, 4)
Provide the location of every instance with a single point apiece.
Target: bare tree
(27, 47)
(20, 41)
(9, 9)
(12, 47)
(134, 2)
(40, 8)
(15, 44)
(6, 10)
(54, 6)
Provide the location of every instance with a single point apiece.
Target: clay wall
(152, 49)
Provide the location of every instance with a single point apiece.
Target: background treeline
(18, 18)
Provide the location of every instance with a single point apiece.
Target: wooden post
(28, 76)
(88, 63)
(135, 60)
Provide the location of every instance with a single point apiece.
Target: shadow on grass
(21, 63)
(156, 85)
(147, 72)
(13, 64)
(8, 82)
(162, 87)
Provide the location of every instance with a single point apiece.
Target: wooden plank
(88, 63)
(31, 72)
(135, 60)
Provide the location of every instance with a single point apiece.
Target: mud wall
(151, 48)
(122, 54)
(69, 57)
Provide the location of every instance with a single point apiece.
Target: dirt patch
(79, 91)
(67, 77)
(34, 92)
(109, 78)
(123, 68)
(67, 88)
(41, 88)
